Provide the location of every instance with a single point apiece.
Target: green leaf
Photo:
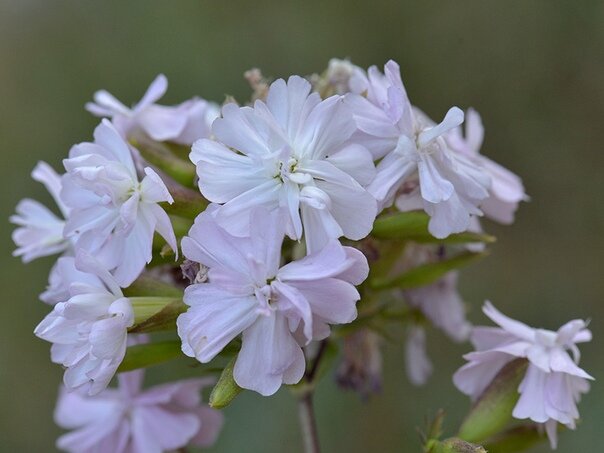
(226, 389)
(426, 273)
(493, 409)
(516, 439)
(153, 314)
(413, 226)
(144, 355)
(149, 286)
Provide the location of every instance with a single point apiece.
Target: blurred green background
(534, 69)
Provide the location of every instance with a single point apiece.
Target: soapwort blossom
(40, 231)
(417, 169)
(293, 152)
(183, 123)
(277, 309)
(129, 419)
(88, 331)
(506, 190)
(114, 214)
(553, 382)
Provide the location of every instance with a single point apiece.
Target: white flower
(89, 330)
(63, 274)
(506, 190)
(40, 231)
(183, 123)
(417, 363)
(129, 419)
(293, 152)
(277, 309)
(553, 383)
(113, 215)
(446, 185)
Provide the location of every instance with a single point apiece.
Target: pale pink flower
(417, 363)
(417, 169)
(553, 382)
(506, 190)
(183, 123)
(89, 330)
(277, 309)
(294, 151)
(40, 231)
(129, 419)
(114, 214)
(62, 275)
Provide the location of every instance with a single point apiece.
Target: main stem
(308, 423)
(306, 413)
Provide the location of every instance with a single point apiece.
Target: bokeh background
(534, 69)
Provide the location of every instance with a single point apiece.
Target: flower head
(40, 231)
(506, 190)
(277, 309)
(183, 123)
(417, 169)
(293, 152)
(114, 214)
(89, 330)
(129, 419)
(553, 383)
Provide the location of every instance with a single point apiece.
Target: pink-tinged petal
(267, 231)
(453, 118)
(153, 188)
(531, 403)
(161, 123)
(137, 250)
(417, 363)
(358, 267)
(517, 328)
(484, 338)
(447, 217)
(209, 244)
(106, 105)
(46, 175)
(474, 377)
(356, 161)
(328, 262)
(156, 90)
(211, 423)
(569, 331)
(87, 263)
(293, 304)
(224, 174)
(551, 429)
(269, 356)
(392, 171)
(320, 227)
(131, 383)
(435, 188)
(75, 409)
(332, 299)
(290, 197)
(108, 138)
(108, 338)
(214, 319)
(560, 361)
(243, 130)
(234, 216)
(156, 430)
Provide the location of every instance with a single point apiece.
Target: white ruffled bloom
(277, 309)
(183, 123)
(129, 419)
(113, 214)
(415, 157)
(62, 275)
(553, 382)
(506, 190)
(40, 231)
(294, 152)
(89, 330)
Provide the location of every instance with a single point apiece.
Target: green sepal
(226, 389)
(453, 445)
(162, 157)
(145, 355)
(518, 438)
(413, 226)
(152, 314)
(426, 273)
(493, 409)
(149, 286)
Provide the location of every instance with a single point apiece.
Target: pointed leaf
(426, 273)
(144, 355)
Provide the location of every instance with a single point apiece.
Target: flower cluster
(274, 212)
